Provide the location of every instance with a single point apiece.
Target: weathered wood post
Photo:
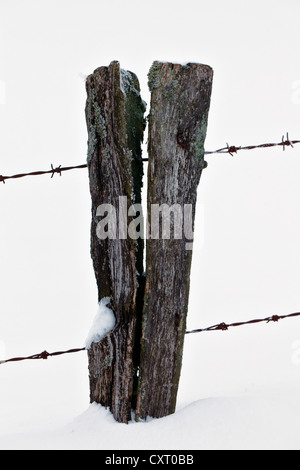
(115, 122)
(137, 365)
(180, 100)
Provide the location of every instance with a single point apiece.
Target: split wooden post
(115, 122)
(138, 364)
(180, 101)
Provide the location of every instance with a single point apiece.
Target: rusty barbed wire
(225, 326)
(51, 172)
(229, 149)
(232, 149)
(219, 327)
(43, 355)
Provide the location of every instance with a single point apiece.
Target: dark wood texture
(115, 122)
(180, 100)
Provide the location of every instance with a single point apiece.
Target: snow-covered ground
(266, 422)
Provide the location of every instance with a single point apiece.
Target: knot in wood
(183, 138)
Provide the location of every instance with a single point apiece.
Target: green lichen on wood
(153, 75)
(96, 121)
(135, 109)
(200, 136)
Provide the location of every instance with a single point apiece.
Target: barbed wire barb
(55, 170)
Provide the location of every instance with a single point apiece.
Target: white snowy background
(239, 389)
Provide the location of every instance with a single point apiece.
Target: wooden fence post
(115, 122)
(180, 100)
(138, 364)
